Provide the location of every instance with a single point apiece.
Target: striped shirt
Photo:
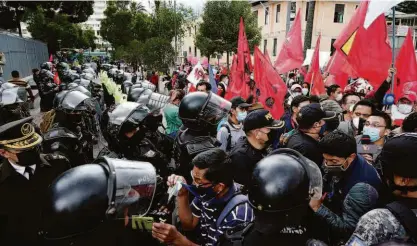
(209, 212)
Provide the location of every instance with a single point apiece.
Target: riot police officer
(397, 221)
(200, 114)
(25, 176)
(13, 103)
(44, 80)
(101, 204)
(283, 184)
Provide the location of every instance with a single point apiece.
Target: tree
(13, 12)
(220, 28)
(309, 26)
(58, 27)
(408, 7)
(158, 53)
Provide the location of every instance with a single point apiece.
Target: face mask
(339, 97)
(203, 193)
(272, 135)
(304, 91)
(372, 132)
(29, 157)
(296, 94)
(334, 170)
(355, 122)
(241, 116)
(226, 81)
(322, 129)
(405, 108)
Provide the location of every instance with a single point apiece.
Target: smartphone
(367, 149)
(142, 223)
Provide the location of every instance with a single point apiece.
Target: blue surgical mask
(203, 193)
(372, 132)
(322, 129)
(241, 116)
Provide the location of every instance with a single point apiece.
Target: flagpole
(393, 49)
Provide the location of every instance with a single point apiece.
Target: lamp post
(59, 44)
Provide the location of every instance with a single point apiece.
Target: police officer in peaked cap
(25, 175)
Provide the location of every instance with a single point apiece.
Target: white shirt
(21, 169)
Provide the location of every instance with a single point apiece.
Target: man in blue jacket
(350, 184)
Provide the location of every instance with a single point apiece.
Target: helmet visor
(73, 99)
(216, 109)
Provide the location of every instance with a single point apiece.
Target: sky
(196, 5)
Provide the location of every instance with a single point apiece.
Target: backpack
(406, 217)
(229, 137)
(235, 201)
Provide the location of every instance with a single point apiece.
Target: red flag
(362, 48)
(267, 56)
(56, 79)
(51, 58)
(272, 88)
(406, 65)
(314, 73)
(242, 67)
(339, 70)
(291, 55)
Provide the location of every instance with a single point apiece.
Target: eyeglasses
(374, 124)
(198, 185)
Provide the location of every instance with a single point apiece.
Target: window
(332, 49)
(308, 6)
(356, 6)
(266, 15)
(189, 31)
(265, 44)
(255, 14)
(339, 11)
(277, 15)
(189, 49)
(195, 30)
(274, 51)
(195, 51)
(293, 11)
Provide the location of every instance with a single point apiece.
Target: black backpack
(229, 138)
(406, 217)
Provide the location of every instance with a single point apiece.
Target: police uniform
(22, 192)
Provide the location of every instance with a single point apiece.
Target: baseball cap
(239, 102)
(312, 113)
(260, 118)
(295, 86)
(409, 96)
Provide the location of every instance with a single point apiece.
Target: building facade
(94, 22)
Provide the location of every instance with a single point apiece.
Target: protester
(221, 89)
(291, 79)
(213, 188)
(348, 101)
(410, 123)
(306, 89)
(171, 113)
(289, 117)
(360, 112)
(2, 63)
(203, 86)
(261, 130)
(376, 129)
(22, 83)
(335, 93)
(350, 185)
(394, 222)
(154, 78)
(331, 105)
(314, 99)
(224, 79)
(230, 132)
(24, 178)
(404, 106)
(311, 126)
(283, 184)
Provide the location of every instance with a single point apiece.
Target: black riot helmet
(199, 110)
(62, 66)
(282, 185)
(396, 158)
(46, 66)
(84, 197)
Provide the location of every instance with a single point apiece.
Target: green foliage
(220, 28)
(58, 27)
(12, 12)
(142, 38)
(408, 7)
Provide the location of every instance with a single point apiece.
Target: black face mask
(29, 157)
(272, 136)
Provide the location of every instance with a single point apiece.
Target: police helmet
(46, 66)
(86, 196)
(62, 66)
(198, 110)
(283, 181)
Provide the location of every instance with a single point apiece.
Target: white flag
(378, 7)
(196, 74)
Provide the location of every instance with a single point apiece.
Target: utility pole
(175, 29)
(288, 22)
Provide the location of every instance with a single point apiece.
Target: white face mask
(339, 97)
(355, 122)
(405, 108)
(304, 91)
(296, 94)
